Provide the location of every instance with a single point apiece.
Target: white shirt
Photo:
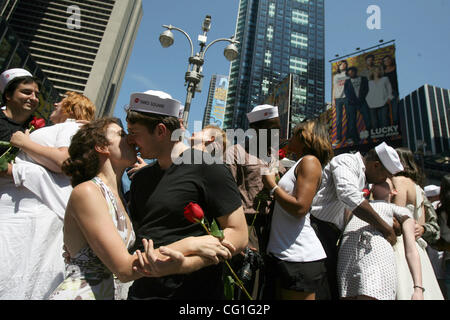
(379, 92)
(52, 189)
(356, 82)
(291, 238)
(31, 221)
(343, 181)
(338, 85)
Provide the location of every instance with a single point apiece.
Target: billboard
(219, 101)
(281, 97)
(365, 100)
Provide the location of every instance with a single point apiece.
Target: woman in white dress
(33, 197)
(410, 195)
(366, 264)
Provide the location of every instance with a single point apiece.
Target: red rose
(193, 212)
(281, 154)
(366, 192)
(37, 123)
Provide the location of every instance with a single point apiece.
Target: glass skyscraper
(425, 120)
(277, 38)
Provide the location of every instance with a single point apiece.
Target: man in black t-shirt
(160, 191)
(19, 90)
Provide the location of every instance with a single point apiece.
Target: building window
(271, 9)
(298, 65)
(269, 33)
(265, 86)
(267, 58)
(299, 40)
(300, 17)
(299, 95)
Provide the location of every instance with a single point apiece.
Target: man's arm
(49, 157)
(346, 177)
(365, 212)
(235, 229)
(364, 88)
(235, 232)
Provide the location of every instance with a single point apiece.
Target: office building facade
(215, 105)
(277, 38)
(14, 54)
(82, 46)
(425, 120)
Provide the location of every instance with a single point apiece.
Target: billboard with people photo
(365, 99)
(280, 96)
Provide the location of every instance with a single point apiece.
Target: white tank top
(293, 239)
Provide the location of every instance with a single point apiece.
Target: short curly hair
(83, 163)
(219, 134)
(77, 106)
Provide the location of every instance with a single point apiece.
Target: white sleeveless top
(293, 239)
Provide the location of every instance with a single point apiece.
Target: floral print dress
(87, 278)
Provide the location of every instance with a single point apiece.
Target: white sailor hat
(156, 102)
(11, 74)
(389, 158)
(432, 190)
(262, 112)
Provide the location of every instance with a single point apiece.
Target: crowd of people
(314, 227)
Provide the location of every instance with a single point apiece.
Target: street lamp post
(194, 74)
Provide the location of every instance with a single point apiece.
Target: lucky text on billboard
(365, 99)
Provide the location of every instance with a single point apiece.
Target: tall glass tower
(277, 38)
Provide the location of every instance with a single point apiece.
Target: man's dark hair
(352, 68)
(152, 120)
(264, 124)
(372, 155)
(369, 56)
(13, 84)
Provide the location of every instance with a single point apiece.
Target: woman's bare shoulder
(85, 195)
(401, 181)
(399, 178)
(84, 189)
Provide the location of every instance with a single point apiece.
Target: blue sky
(421, 29)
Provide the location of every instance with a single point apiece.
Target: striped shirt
(343, 181)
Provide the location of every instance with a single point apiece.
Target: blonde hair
(316, 141)
(218, 132)
(77, 106)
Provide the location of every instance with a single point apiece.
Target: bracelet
(273, 190)
(423, 289)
